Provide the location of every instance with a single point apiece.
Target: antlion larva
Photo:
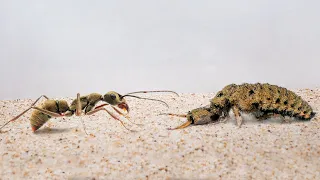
(262, 100)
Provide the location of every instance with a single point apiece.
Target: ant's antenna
(146, 99)
(153, 92)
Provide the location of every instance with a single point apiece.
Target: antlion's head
(197, 116)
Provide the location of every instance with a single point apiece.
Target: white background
(61, 47)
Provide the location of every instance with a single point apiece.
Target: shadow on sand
(53, 130)
(249, 119)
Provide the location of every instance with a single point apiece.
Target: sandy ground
(62, 150)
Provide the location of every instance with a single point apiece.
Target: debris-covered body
(262, 100)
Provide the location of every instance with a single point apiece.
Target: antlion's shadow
(53, 130)
(249, 119)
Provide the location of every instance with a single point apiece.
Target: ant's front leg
(102, 105)
(119, 112)
(112, 115)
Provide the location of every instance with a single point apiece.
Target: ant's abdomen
(38, 119)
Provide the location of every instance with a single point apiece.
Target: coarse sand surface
(61, 149)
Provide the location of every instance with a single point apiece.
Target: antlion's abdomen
(270, 99)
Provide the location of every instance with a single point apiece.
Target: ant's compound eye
(113, 97)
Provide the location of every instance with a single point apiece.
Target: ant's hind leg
(37, 108)
(52, 114)
(39, 99)
(237, 114)
(32, 105)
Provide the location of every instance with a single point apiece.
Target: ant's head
(115, 98)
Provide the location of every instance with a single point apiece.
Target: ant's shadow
(53, 130)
